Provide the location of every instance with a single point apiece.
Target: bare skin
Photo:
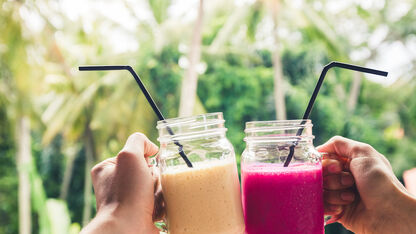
(361, 190)
(125, 190)
(381, 203)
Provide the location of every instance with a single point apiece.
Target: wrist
(399, 215)
(112, 220)
(101, 223)
(134, 222)
(406, 213)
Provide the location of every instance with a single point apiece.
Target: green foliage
(238, 81)
(244, 94)
(165, 79)
(254, 18)
(8, 178)
(212, 30)
(75, 200)
(299, 66)
(49, 163)
(159, 9)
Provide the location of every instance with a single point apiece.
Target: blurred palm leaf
(254, 17)
(159, 9)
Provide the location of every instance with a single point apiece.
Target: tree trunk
(23, 161)
(67, 175)
(354, 92)
(279, 92)
(190, 81)
(89, 163)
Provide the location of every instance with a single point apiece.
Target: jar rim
(279, 130)
(280, 121)
(181, 120)
(191, 127)
(254, 126)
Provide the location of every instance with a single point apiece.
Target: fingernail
(347, 180)
(347, 196)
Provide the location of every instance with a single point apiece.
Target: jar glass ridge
(278, 199)
(197, 198)
(270, 142)
(202, 137)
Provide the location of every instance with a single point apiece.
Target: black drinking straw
(146, 94)
(316, 91)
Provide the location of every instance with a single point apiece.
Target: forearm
(399, 218)
(101, 225)
(408, 215)
(105, 223)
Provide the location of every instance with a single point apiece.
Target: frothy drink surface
(203, 199)
(284, 200)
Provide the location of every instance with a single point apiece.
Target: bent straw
(316, 91)
(146, 94)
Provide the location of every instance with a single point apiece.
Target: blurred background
(252, 60)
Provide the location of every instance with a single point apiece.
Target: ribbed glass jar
(204, 198)
(278, 199)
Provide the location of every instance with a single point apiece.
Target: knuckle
(362, 148)
(332, 197)
(96, 170)
(331, 182)
(139, 136)
(356, 149)
(328, 195)
(337, 139)
(126, 154)
(377, 173)
(367, 148)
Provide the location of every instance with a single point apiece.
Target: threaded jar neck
(190, 128)
(279, 131)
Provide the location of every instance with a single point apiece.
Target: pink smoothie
(279, 199)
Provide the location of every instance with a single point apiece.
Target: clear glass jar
(278, 199)
(204, 198)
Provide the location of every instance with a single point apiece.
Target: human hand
(382, 204)
(409, 178)
(338, 183)
(125, 189)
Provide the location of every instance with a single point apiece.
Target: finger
(98, 169)
(159, 210)
(159, 205)
(333, 210)
(100, 175)
(345, 161)
(139, 143)
(109, 161)
(339, 197)
(338, 181)
(137, 148)
(345, 147)
(156, 178)
(331, 166)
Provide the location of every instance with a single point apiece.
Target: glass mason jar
(278, 199)
(204, 198)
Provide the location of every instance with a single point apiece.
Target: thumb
(343, 147)
(136, 149)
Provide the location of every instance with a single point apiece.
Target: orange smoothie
(204, 199)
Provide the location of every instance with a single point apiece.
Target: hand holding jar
(382, 204)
